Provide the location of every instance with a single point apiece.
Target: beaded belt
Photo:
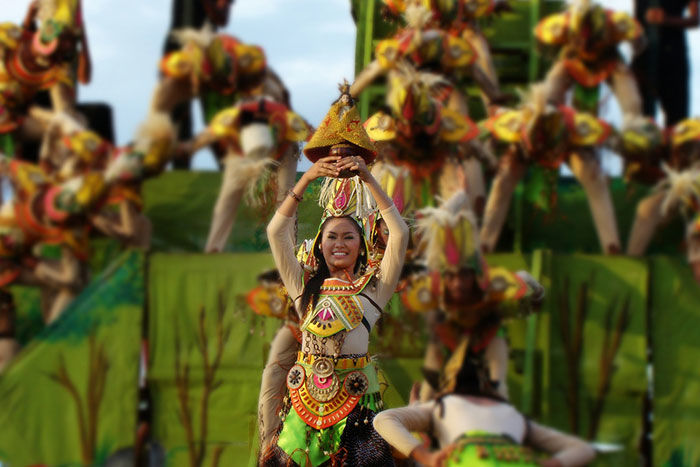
(343, 363)
(324, 390)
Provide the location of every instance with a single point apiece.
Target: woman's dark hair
(271, 275)
(313, 285)
(472, 380)
(410, 268)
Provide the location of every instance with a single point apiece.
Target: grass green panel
(675, 305)
(597, 308)
(180, 205)
(189, 292)
(70, 397)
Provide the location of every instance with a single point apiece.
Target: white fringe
(248, 173)
(417, 16)
(680, 186)
(158, 127)
(200, 37)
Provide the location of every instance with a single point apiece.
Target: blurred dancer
(474, 426)
(191, 14)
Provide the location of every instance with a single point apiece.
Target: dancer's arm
(395, 253)
(460, 199)
(280, 229)
(566, 450)
(396, 425)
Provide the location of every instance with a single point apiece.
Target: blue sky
(310, 43)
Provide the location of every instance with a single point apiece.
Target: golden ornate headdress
(342, 126)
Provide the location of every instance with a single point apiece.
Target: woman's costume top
(342, 304)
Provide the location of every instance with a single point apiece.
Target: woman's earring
(362, 252)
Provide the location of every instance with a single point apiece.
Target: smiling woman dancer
(333, 387)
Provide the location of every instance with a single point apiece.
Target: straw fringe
(200, 37)
(681, 187)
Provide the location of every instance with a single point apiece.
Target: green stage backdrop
(597, 342)
(70, 398)
(675, 321)
(204, 410)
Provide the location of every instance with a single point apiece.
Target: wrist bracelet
(296, 197)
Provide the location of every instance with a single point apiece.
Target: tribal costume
(449, 243)
(461, 19)
(434, 50)
(588, 36)
(51, 216)
(548, 136)
(425, 137)
(35, 58)
(333, 389)
(217, 68)
(334, 383)
(258, 135)
(678, 187)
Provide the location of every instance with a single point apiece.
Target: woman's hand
(324, 167)
(430, 458)
(355, 164)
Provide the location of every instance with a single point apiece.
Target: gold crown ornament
(341, 132)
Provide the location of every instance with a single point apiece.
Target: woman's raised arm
(280, 229)
(395, 253)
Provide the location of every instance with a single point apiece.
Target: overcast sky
(310, 43)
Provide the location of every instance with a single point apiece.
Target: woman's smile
(340, 244)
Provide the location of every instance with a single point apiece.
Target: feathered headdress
(199, 37)
(449, 241)
(578, 9)
(417, 15)
(682, 187)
